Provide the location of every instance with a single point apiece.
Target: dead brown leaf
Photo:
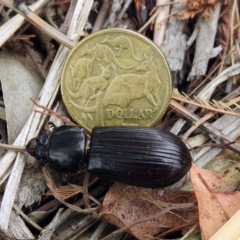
(124, 205)
(215, 208)
(194, 7)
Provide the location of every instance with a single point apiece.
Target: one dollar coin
(116, 77)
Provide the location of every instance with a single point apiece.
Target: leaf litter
(145, 213)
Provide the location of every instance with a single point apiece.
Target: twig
(165, 210)
(229, 126)
(190, 231)
(233, 80)
(64, 28)
(36, 58)
(212, 145)
(39, 23)
(24, 216)
(47, 233)
(158, 4)
(11, 26)
(159, 26)
(124, 9)
(174, 229)
(102, 15)
(153, 17)
(13, 147)
(99, 230)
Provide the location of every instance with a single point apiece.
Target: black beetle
(137, 156)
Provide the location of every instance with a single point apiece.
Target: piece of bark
(115, 9)
(18, 229)
(205, 32)
(48, 232)
(75, 227)
(175, 44)
(97, 233)
(161, 23)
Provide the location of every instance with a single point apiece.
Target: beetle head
(37, 147)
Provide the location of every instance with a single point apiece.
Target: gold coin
(116, 77)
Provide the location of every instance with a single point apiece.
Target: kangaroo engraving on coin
(116, 77)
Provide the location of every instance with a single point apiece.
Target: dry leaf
(124, 205)
(19, 82)
(215, 208)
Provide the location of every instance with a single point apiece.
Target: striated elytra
(136, 156)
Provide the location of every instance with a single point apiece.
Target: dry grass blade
(24, 216)
(155, 13)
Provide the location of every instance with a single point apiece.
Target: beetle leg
(51, 126)
(106, 183)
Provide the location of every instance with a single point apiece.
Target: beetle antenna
(13, 147)
(52, 113)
